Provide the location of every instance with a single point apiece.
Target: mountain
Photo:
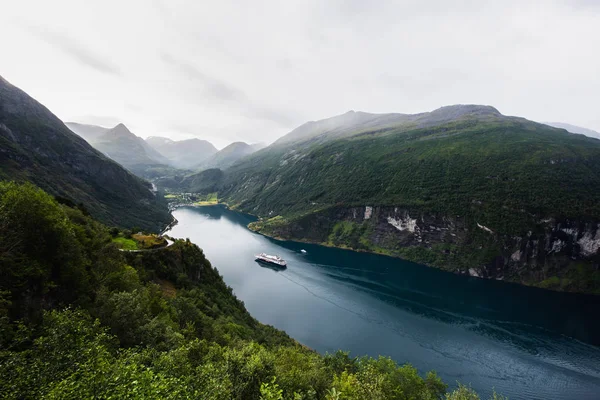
(353, 123)
(90, 133)
(129, 150)
(258, 146)
(463, 188)
(575, 129)
(36, 146)
(182, 153)
(229, 155)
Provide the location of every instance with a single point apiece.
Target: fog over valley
(176, 69)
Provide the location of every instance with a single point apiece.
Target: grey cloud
(217, 89)
(159, 7)
(213, 87)
(285, 64)
(429, 79)
(282, 118)
(187, 128)
(244, 69)
(595, 4)
(392, 10)
(75, 50)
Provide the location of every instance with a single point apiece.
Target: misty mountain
(356, 122)
(182, 153)
(229, 155)
(575, 129)
(36, 146)
(90, 133)
(129, 150)
(463, 188)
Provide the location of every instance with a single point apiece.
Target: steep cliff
(555, 254)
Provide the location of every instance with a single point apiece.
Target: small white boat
(302, 251)
(269, 259)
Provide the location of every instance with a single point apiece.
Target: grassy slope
(125, 243)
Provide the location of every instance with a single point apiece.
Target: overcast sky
(254, 70)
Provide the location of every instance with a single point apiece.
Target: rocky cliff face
(557, 254)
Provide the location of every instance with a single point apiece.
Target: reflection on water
(525, 342)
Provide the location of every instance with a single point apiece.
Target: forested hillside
(462, 188)
(36, 146)
(81, 319)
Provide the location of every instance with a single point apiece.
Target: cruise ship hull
(271, 261)
(268, 264)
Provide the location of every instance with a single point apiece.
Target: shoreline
(279, 238)
(386, 254)
(170, 226)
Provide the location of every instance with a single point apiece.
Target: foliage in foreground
(80, 319)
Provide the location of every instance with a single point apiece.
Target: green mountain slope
(354, 123)
(462, 188)
(182, 153)
(228, 156)
(80, 319)
(36, 146)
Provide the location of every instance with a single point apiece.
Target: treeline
(81, 319)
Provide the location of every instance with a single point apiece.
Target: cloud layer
(227, 71)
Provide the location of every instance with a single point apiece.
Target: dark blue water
(526, 343)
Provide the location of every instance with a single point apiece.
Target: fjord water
(526, 343)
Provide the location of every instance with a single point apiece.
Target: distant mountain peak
(352, 122)
(182, 153)
(119, 131)
(463, 109)
(120, 127)
(239, 143)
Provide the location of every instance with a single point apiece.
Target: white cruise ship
(266, 258)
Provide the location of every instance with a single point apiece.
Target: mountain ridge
(480, 178)
(182, 153)
(90, 133)
(352, 122)
(229, 155)
(36, 146)
(129, 150)
(575, 129)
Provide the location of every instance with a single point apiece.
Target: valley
(471, 330)
(463, 188)
(495, 200)
(300, 200)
